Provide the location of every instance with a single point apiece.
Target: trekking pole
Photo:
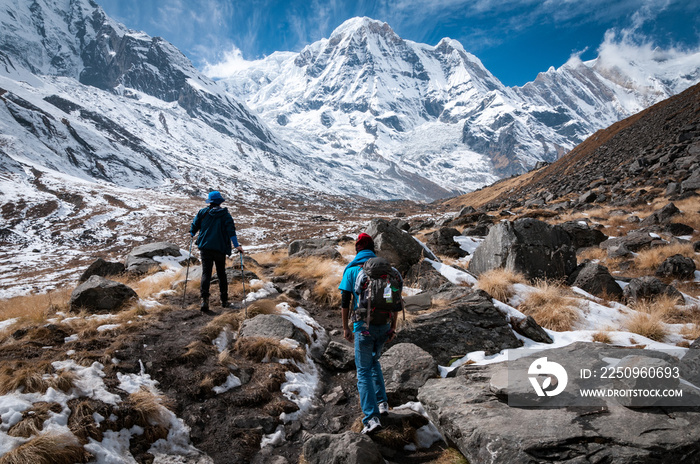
(245, 304)
(187, 274)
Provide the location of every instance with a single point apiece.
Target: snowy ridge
(366, 95)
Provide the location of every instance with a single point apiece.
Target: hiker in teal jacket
(369, 340)
(216, 232)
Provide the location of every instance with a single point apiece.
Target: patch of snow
(468, 244)
(231, 382)
(71, 338)
(132, 383)
(267, 290)
(273, 439)
(455, 276)
(300, 387)
(8, 323)
(102, 328)
(224, 339)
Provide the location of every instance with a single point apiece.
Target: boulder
(137, 265)
(424, 276)
(634, 241)
(156, 249)
(587, 197)
(479, 230)
(470, 323)
(297, 246)
(678, 229)
(696, 246)
(442, 242)
(406, 368)
(346, 448)
(399, 247)
(272, 326)
(583, 235)
(596, 280)
(648, 288)
(471, 411)
(528, 327)
(400, 224)
(100, 294)
(325, 252)
(339, 356)
(529, 246)
(416, 303)
(662, 216)
(102, 268)
(677, 266)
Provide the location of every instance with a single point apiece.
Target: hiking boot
(373, 425)
(383, 408)
(205, 305)
(226, 304)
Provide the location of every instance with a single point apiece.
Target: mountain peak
(362, 24)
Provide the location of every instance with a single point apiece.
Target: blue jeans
(370, 381)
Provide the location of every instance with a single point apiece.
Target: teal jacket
(350, 274)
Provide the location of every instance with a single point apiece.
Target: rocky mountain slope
(369, 98)
(656, 149)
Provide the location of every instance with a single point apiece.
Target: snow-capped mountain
(367, 95)
(85, 96)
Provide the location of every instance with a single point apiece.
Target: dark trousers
(209, 259)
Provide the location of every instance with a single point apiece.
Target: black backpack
(379, 286)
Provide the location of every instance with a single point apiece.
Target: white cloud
(231, 62)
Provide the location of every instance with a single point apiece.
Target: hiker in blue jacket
(369, 340)
(216, 232)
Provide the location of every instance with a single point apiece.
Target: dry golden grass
(691, 331)
(451, 456)
(664, 307)
(35, 308)
(32, 421)
(592, 254)
(198, 351)
(265, 306)
(550, 307)
(651, 259)
(325, 273)
(48, 448)
(212, 330)
(151, 408)
(311, 267)
(499, 283)
(602, 337)
(647, 325)
(226, 358)
(347, 249)
(270, 257)
(32, 377)
(259, 348)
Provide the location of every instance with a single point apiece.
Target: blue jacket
(350, 274)
(216, 229)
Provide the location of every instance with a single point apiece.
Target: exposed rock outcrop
(100, 294)
(531, 247)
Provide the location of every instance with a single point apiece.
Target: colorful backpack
(379, 287)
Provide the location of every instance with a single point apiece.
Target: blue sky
(515, 39)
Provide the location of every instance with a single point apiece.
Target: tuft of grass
(499, 283)
(650, 259)
(212, 330)
(664, 307)
(35, 308)
(82, 420)
(32, 421)
(395, 437)
(550, 307)
(647, 325)
(48, 448)
(27, 377)
(324, 273)
(270, 257)
(602, 337)
(226, 358)
(151, 408)
(451, 456)
(198, 351)
(264, 348)
(265, 306)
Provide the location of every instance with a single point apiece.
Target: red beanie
(364, 242)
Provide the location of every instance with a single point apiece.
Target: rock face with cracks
(531, 247)
(471, 412)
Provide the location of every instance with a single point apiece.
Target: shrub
(263, 348)
(550, 308)
(499, 283)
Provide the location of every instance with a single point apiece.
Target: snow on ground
(595, 316)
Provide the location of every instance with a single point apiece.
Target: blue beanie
(215, 197)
